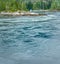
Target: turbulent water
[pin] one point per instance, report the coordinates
(30, 39)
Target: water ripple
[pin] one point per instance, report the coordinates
(26, 38)
(43, 35)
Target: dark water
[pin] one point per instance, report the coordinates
(30, 40)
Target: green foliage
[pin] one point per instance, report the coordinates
(24, 5)
(37, 5)
(55, 5)
(29, 5)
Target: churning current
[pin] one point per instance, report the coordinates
(30, 39)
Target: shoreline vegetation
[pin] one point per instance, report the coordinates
(25, 7)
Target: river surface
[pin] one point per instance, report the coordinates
(30, 39)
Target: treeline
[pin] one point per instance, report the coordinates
(55, 5)
(26, 5)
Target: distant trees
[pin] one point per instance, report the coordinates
(2, 5)
(55, 4)
(29, 5)
(24, 5)
(42, 4)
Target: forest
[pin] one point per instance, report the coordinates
(26, 5)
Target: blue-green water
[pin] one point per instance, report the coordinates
(30, 39)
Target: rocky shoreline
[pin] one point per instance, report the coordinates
(27, 13)
(20, 14)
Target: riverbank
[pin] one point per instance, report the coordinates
(27, 13)
(20, 14)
